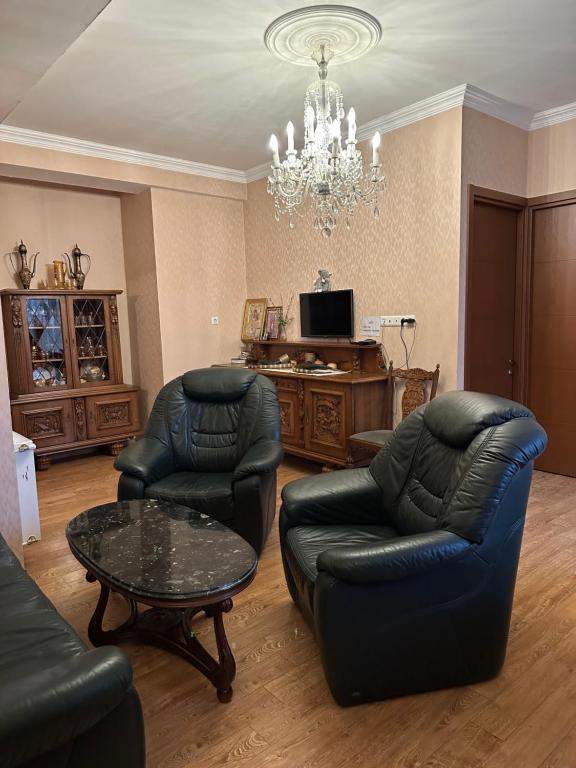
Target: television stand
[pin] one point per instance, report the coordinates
(319, 413)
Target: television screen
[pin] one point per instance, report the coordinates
(327, 314)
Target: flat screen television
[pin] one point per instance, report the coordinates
(327, 314)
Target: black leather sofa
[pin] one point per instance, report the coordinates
(212, 443)
(61, 705)
(406, 569)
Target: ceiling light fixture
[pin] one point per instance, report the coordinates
(328, 172)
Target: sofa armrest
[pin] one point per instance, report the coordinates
(343, 496)
(44, 711)
(262, 457)
(147, 459)
(393, 560)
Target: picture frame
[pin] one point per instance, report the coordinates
(272, 322)
(254, 319)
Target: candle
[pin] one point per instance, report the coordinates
(335, 138)
(290, 132)
(351, 125)
(375, 146)
(274, 148)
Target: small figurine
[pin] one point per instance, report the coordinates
(322, 282)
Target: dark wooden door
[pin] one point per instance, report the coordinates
(494, 258)
(552, 366)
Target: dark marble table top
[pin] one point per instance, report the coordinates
(160, 550)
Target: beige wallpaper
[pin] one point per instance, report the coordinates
(142, 295)
(10, 526)
(406, 261)
(201, 272)
(50, 219)
(552, 159)
(494, 155)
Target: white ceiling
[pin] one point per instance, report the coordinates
(33, 34)
(192, 79)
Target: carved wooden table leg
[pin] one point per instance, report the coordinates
(97, 634)
(221, 673)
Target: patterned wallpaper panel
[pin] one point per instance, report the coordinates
(201, 272)
(406, 261)
(552, 159)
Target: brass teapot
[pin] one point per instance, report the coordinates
(76, 273)
(25, 273)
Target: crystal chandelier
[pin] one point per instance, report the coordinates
(326, 173)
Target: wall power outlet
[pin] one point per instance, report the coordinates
(390, 320)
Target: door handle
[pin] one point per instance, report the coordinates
(511, 364)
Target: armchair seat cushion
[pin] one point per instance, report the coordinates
(305, 543)
(207, 492)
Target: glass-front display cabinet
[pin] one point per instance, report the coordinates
(65, 369)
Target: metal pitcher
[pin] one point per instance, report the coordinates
(76, 273)
(25, 273)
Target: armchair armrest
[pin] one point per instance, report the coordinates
(262, 457)
(147, 459)
(42, 712)
(393, 560)
(344, 496)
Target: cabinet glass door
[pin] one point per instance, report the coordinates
(89, 317)
(46, 340)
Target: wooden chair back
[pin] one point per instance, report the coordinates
(416, 381)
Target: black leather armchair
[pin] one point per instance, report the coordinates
(61, 705)
(212, 443)
(406, 569)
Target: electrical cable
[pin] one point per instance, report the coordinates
(408, 353)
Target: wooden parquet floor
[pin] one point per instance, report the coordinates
(282, 714)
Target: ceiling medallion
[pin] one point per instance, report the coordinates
(326, 173)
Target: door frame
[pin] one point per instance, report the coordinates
(523, 284)
(553, 200)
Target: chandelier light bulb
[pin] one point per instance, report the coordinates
(290, 132)
(375, 147)
(274, 148)
(352, 125)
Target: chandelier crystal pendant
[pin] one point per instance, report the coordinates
(329, 171)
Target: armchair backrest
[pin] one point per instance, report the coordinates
(210, 417)
(450, 463)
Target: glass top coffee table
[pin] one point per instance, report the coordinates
(176, 561)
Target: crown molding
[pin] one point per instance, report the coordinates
(485, 102)
(464, 95)
(258, 172)
(553, 116)
(29, 138)
(413, 113)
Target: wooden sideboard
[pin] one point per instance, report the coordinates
(65, 371)
(319, 413)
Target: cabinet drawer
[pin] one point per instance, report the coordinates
(47, 423)
(113, 414)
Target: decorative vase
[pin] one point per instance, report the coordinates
(25, 273)
(282, 332)
(75, 266)
(59, 274)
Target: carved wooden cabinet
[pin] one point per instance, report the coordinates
(65, 370)
(318, 414)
